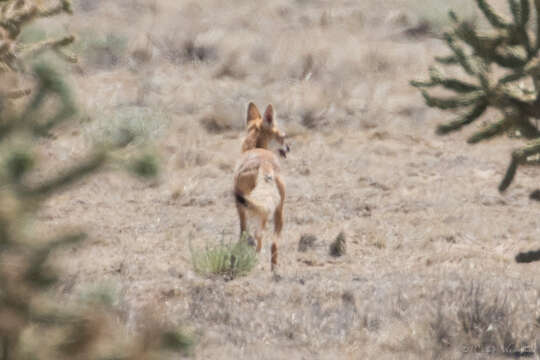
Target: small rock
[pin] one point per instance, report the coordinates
(174, 273)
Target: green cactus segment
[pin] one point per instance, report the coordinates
(459, 54)
(54, 44)
(512, 77)
(447, 60)
(437, 79)
(466, 119)
(494, 19)
(520, 12)
(451, 102)
(519, 157)
(14, 15)
(51, 83)
(537, 8)
(37, 273)
(512, 46)
(490, 131)
(69, 176)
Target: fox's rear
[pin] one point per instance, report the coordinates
(264, 198)
(258, 188)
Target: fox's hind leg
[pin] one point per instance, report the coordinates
(278, 223)
(241, 208)
(259, 232)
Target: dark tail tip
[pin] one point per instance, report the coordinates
(240, 198)
(528, 257)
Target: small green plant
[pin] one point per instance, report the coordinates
(227, 260)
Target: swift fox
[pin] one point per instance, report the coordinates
(258, 188)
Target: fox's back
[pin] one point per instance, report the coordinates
(256, 175)
(252, 160)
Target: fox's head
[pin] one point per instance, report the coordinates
(262, 130)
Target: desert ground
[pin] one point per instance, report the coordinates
(429, 270)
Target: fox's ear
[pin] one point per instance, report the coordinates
(252, 113)
(269, 115)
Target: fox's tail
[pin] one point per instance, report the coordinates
(265, 196)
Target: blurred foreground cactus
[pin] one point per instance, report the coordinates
(14, 15)
(501, 70)
(35, 323)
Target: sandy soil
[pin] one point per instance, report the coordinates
(422, 215)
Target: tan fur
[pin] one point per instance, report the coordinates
(258, 186)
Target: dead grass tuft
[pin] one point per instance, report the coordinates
(179, 51)
(194, 52)
(476, 320)
(220, 119)
(231, 68)
(339, 246)
(313, 119)
(307, 241)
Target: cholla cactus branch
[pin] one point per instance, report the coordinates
(519, 157)
(511, 46)
(69, 177)
(537, 8)
(15, 94)
(36, 49)
(62, 6)
(14, 15)
(453, 102)
(459, 56)
(490, 131)
(437, 79)
(494, 19)
(17, 13)
(466, 119)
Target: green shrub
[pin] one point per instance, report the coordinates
(227, 260)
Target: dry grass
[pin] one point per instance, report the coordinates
(422, 214)
(473, 318)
